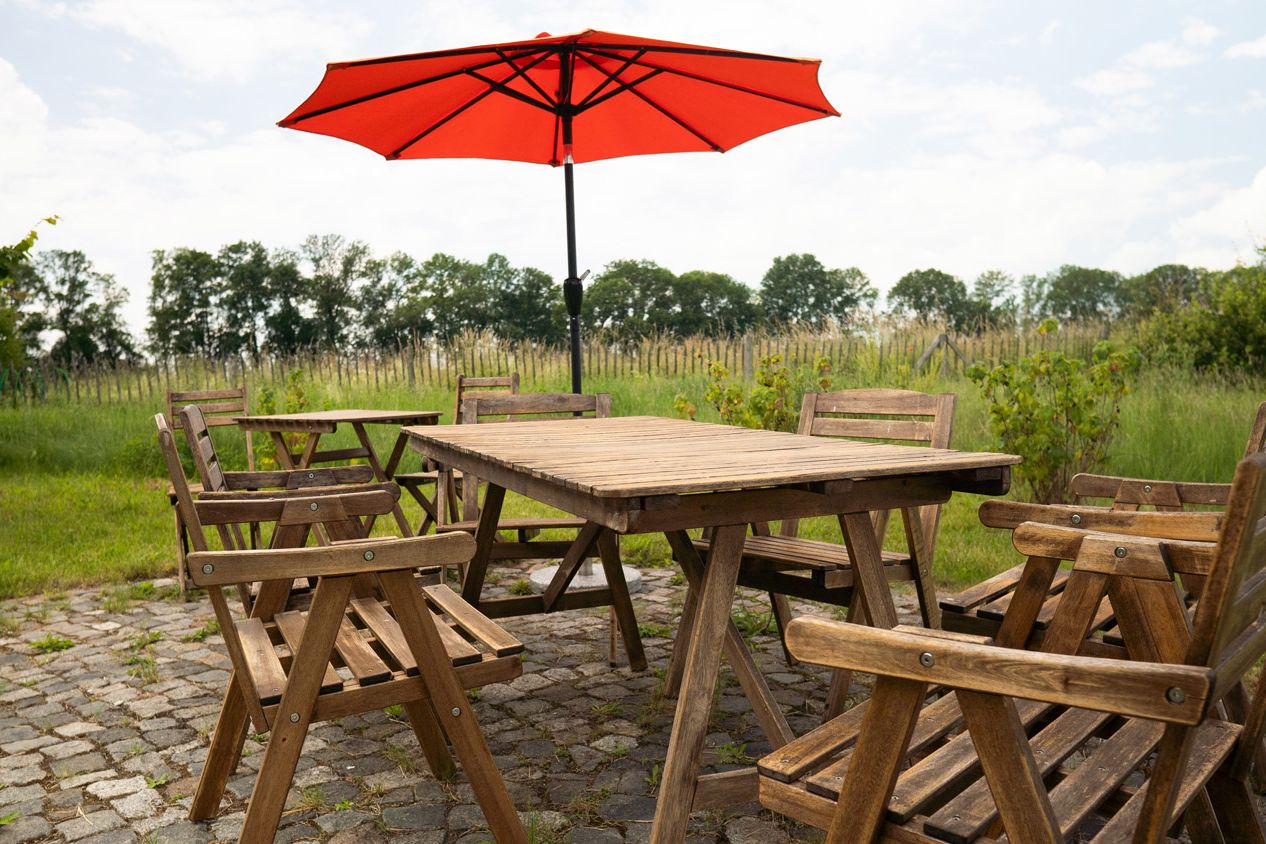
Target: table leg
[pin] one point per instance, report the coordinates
(485, 535)
(703, 660)
(868, 569)
(284, 459)
(309, 450)
(374, 463)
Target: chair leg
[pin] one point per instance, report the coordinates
(222, 755)
(182, 549)
(621, 602)
(431, 737)
(781, 609)
(882, 744)
(459, 720)
(1235, 810)
(290, 726)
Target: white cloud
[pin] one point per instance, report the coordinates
(1255, 49)
(1199, 33)
(1161, 54)
(1112, 82)
(225, 39)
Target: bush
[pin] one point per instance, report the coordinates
(773, 403)
(1058, 413)
(1223, 328)
(267, 401)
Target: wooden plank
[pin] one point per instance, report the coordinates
(366, 666)
(290, 625)
(261, 660)
(971, 812)
(387, 631)
(1129, 688)
(729, 788)
(474, 623)
(998, 735)
(877, 429)
(690, 723)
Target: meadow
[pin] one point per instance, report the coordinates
(82, 495)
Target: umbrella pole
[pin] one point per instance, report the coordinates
(572, 292)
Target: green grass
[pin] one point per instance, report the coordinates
(52, 643)
(82, 500)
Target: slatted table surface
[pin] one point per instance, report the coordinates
(634, 456)
(639, 474)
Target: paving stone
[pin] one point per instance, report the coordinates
(594, 835)
(414, 817)
(339, 821)
(107, 789)
(81, 827)
(142, 804)
(25, 828)
(752, 830)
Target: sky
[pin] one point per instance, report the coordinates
(974, 135)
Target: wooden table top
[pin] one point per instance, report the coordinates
(275, 421)
(631, 456)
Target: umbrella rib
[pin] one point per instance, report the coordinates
(529, 80)
(510, 92)
(674, 118)
(710, 81)
(386, 92)
(624, 86)
(594, 93)
(476, 99)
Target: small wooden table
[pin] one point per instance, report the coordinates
(646, 474)
(317, 422)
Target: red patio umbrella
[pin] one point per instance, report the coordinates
(562, 100)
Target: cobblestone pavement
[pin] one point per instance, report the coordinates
(107, 698)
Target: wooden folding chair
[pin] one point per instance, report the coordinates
(591, 540)
(218, 407)
(978, 609)
(814, 570)
(412, 482)
(350, 652)
(968, 740)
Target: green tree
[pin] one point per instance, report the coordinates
(392, 303)
(286, 328)
(338, 268)
(182, 314)
(527, 304)
(1078, 294)
(459, 299)
(631, 299)
(18, 332)
(1165, 287)
(931, 295)
(711, 303)
(1223, 328)
(84, 308)
(799, 290)
(242, 301)
(991, 303)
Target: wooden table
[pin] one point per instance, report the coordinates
(645, 474)
(318, 422)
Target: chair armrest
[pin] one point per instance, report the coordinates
(217, 568)
(1138, 689)
(303, 508)
(299, 478)
(305, 492)
(1138, 556)
(1202, 527)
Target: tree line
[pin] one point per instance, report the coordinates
(332, 293)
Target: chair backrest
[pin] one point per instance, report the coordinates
(485, 385)
(218, 408)
(1166, 496)
(887, 415)
(192, 419)
(523, 407)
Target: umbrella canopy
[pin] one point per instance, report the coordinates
(562, 100)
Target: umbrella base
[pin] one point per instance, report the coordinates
(594, 578)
